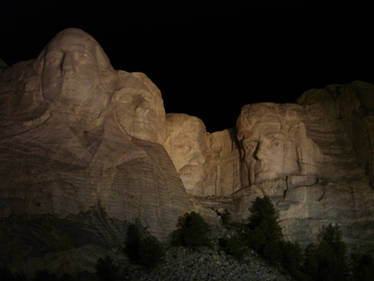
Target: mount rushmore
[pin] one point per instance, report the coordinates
(85, 149)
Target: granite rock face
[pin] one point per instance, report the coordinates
(76, 134)
(208, 163)
(186, 143)
(275, 144)
(139, 107)
(314, 160)
(85, 149)
(223, 177)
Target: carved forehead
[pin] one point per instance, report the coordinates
(181, 120)
(77, 41)
(73, 39)
(267, 117)
(190, 127)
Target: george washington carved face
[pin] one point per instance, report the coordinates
(273, 142)
(76, 75)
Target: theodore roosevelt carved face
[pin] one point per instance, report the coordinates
(274, 142)
(187, 147)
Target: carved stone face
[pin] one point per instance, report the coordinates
(139, 107)
(269, 152)
(186, 145)
(74, 69)
(272, 137)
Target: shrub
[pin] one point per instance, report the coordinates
(292, 258)
(363, 267)
(272, 252)
(143, 248)
(332, 236)
(151, 251)
(234, 246)
(225, 218)
(45, 275)
(264, 233)
(264, 218)
(7, 275)
(132, 243)
(106, 270)
(192, 232)
(66, 277)
(327, 261)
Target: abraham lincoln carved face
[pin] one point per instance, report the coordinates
(274, 142)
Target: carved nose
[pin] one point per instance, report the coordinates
(67, 64)
(141, 109)
(259, 152)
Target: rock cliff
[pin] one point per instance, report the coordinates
(85, 149)
(314, 160)
(208, 163)
(77, 136)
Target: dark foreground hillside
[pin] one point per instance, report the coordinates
(208, 265)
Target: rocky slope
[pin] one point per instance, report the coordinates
(208, 264)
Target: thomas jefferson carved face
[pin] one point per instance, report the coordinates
(272, 138)
(74, 71)
(139, 107)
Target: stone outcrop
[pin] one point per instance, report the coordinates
(208, 163)
(223, 177)
(186, 143)
(77, 135)
(314, 161)
(85, 149)
(275, 144)
(139, 107)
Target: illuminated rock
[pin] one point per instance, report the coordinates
(139, 108)
(85, 149)
(208, 164)
(70, 143)
(314, 160)
(186, 144)
(275, 144)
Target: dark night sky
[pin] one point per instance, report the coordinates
(211, 65)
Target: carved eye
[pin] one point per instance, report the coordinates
(184, 148)
(276, 142)
(54, 58)
(83, 57)
(250, 145)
